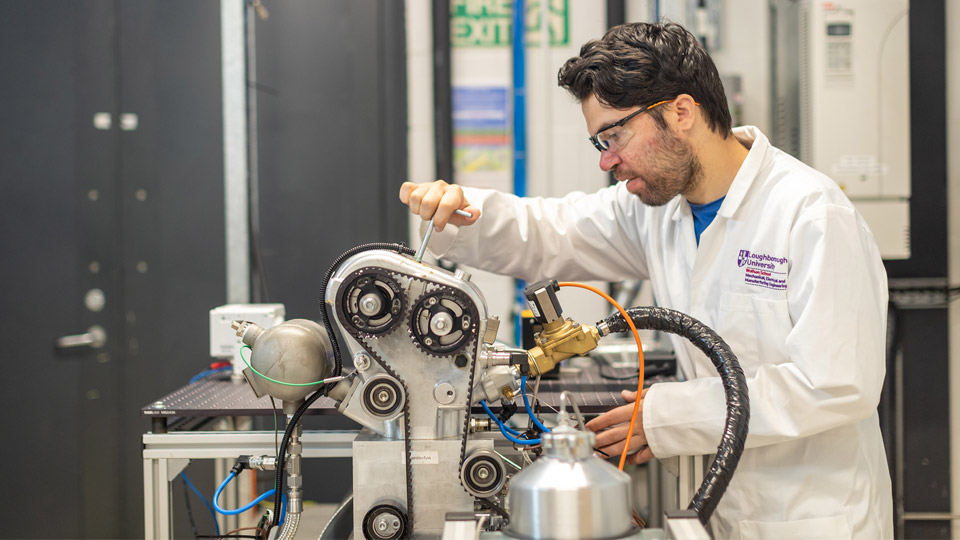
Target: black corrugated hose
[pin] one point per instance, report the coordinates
(337, 368)
(734, 387)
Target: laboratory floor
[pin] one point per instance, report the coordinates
(314, 518)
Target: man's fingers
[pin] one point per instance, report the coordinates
(618, 434)
(405, 189)
(438, 201)
(611, 436)
(612, 417)
(451, 199)
(631, 395)
(462, 221)
(643, 456)
(616, 448)
(430, 203)
(422, 198)
(414, 195)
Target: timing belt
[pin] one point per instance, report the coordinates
(363, 338)
(408, 469)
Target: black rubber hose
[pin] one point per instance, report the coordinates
(734, 386)
(337, 363)
(282, 452)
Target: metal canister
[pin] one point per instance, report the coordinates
(297, 351)
(569, 493)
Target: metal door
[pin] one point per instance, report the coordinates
(111, 235)
(60, 269)
(112, 216)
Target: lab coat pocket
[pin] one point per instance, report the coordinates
(828, 528)
(756, 329)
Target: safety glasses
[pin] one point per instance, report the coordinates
(615, 136)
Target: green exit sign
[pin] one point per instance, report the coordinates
(489, 23)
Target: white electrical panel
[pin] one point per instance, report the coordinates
(855, 108)
(224, 342)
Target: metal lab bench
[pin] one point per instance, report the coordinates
(172, 442)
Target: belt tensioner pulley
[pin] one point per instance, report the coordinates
(383, 396)
(384, 522)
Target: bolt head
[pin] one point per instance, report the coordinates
(361, 362)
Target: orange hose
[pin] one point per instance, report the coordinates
(636, 336)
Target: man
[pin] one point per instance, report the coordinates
(755, 244)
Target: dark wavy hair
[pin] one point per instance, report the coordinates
(639, 64)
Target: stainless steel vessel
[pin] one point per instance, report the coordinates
(569, 493)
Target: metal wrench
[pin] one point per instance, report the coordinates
(426, 237)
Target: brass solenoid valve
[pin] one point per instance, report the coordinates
(561, 338)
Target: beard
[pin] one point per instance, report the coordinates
(674, 170)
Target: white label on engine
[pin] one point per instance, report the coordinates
(424, 457)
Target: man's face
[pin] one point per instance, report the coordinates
(655, 163)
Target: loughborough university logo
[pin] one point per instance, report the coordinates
(762, 270)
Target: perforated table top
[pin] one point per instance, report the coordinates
(595, 389)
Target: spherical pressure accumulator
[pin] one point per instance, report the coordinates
(292, 353)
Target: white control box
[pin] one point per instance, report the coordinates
(857, 112)
(224, 342)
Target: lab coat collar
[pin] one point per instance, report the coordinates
(757, 142)
(681, 209)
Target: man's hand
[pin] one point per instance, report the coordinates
(438, 200)
(611, 428)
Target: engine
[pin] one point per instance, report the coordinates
(421, 342)
(425, 357)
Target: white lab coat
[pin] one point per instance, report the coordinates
(790, 276)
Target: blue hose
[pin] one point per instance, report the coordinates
(497, 420)
(231, 476)
(208, 372)
(514, 440)
(506, 430)
(526, 405)
(206, 503)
